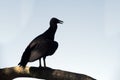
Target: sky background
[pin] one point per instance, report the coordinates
(89, 39)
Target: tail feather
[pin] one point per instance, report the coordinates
(25, 58)
(21, 64)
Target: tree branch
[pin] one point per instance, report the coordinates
(40, 73)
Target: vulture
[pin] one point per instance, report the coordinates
(42, 46)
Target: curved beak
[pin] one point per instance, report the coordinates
(61, 22)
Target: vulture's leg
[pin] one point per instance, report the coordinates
(40, 63)
(44, 61)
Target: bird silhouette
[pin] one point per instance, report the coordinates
(42, 46)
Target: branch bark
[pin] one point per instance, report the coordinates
(40, 73)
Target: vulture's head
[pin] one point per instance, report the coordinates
(55, 21)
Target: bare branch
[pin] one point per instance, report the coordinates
(40, 73)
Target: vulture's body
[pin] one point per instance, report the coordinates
(42, 46)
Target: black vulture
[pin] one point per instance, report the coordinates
(42, 46)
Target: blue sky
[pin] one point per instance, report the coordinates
(89, 39)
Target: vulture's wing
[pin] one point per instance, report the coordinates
(41, 48)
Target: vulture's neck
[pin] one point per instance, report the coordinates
(50, 33)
